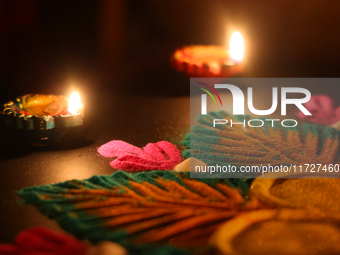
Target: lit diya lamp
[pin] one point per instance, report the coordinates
(210, 61)
(44, 119)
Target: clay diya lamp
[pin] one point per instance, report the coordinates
(43, 119)
(210, 61)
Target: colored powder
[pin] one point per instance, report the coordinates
(41, 240)
(322, 109)
(288, 237)
(239, 145)
(154, 156)
(156, 207)
(322, 193)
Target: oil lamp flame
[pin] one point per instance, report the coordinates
(236, 49)
(74, 103)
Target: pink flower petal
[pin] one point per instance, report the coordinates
(154, 156)
(117, 148)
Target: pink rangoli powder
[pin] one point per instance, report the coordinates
(154, 156)
(322, 109)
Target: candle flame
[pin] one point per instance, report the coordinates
(74, 103)
(236, 49)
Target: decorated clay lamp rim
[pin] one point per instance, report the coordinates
(40, 112)
(207, 61)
